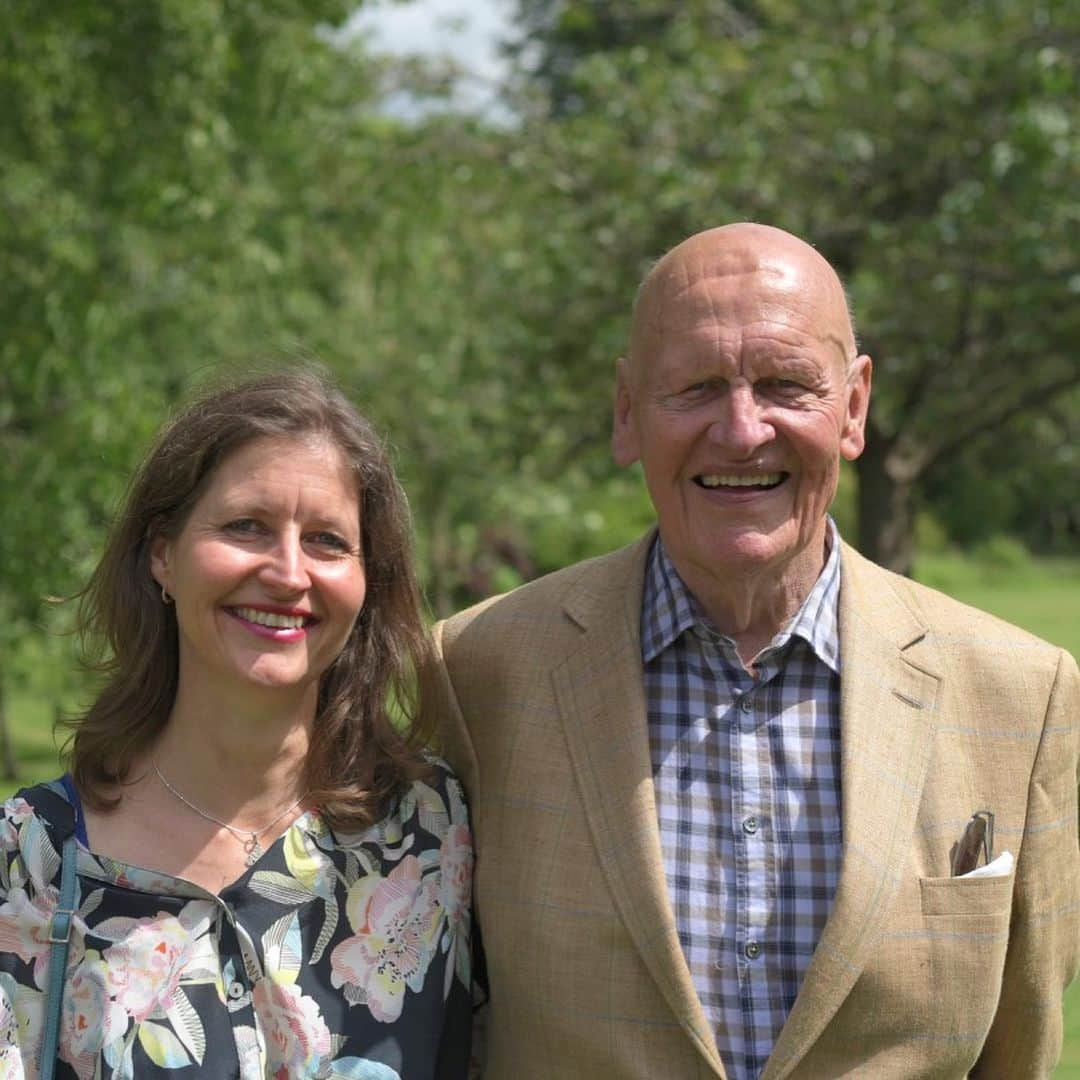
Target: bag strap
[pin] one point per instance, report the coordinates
(51, 801)
(59, 936)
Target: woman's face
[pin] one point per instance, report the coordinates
(268, 572)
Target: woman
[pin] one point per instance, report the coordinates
(273, 881)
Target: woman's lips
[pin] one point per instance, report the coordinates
(273, 624)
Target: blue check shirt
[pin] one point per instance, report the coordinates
(747, 777)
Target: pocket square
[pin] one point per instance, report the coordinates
(1000, 867)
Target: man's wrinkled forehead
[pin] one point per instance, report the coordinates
(685, 287)
(683, 284)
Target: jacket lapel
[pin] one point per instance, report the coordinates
(602, 704)
(887, 719)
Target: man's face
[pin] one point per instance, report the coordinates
(740, 397)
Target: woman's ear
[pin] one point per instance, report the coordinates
(160, 550)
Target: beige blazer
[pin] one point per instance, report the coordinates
(944, 711)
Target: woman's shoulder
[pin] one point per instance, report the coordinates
(34, 823)
(51, 803)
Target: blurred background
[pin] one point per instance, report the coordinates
(450, 204)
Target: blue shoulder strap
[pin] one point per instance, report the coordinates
(52, 800)
(59, 936)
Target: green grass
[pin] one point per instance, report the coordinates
(36, 751)
(1069, 1067)
(1042, 596)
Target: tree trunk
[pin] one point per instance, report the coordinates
(886, 508)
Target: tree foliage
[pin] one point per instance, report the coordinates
(190, 185)
(927, 149)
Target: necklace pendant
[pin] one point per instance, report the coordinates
(254, 850)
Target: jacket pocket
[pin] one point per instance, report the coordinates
(966, 896)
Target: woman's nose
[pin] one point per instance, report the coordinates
(285, 567)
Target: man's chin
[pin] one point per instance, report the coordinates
(748, 550)
(747, 544)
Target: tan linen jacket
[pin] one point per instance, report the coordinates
(944, 711)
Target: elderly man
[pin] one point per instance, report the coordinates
(729, 784)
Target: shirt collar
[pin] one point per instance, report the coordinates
(668, 608)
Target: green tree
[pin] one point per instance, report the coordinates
(137, 146)
(928, 150)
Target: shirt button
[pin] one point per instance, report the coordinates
(750, 825)
(236, 990)
(746, 703)
(752, 950)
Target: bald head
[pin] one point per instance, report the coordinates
(792, 272)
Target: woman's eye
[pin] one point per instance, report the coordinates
(243, 526)
(330, 541)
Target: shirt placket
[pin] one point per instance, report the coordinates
(751, 831)
(241, 969)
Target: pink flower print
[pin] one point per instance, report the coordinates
(146, 964)
(297, 1038)
(396, 920)
(11, 1067)
(22, 1014)
(90, 1019)
(24, 930)
(456, 864)
(455, 893)
(21, 1011)
(16, 811)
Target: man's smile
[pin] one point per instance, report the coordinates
(756, 481)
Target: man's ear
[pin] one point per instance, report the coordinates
(853, 436)
(625, 448)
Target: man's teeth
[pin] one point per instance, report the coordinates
(271, 618)
(717, 480)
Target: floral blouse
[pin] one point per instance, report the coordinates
(338, 956)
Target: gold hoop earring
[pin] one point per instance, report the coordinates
(165, 597)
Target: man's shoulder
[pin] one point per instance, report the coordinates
(546, 599)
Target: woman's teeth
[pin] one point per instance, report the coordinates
(271, 618)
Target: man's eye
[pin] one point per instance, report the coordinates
(697, 389)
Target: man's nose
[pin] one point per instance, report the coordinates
(285, 567)
(741, 426)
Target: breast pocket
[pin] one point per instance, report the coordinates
(965, 926)
(942, 897)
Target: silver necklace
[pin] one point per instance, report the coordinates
(253, 850)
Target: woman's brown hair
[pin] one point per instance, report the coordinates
(360, 757)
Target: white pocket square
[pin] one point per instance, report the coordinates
(1000, 867)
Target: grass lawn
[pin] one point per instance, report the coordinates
(1069, 1067)
(1043, 597)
